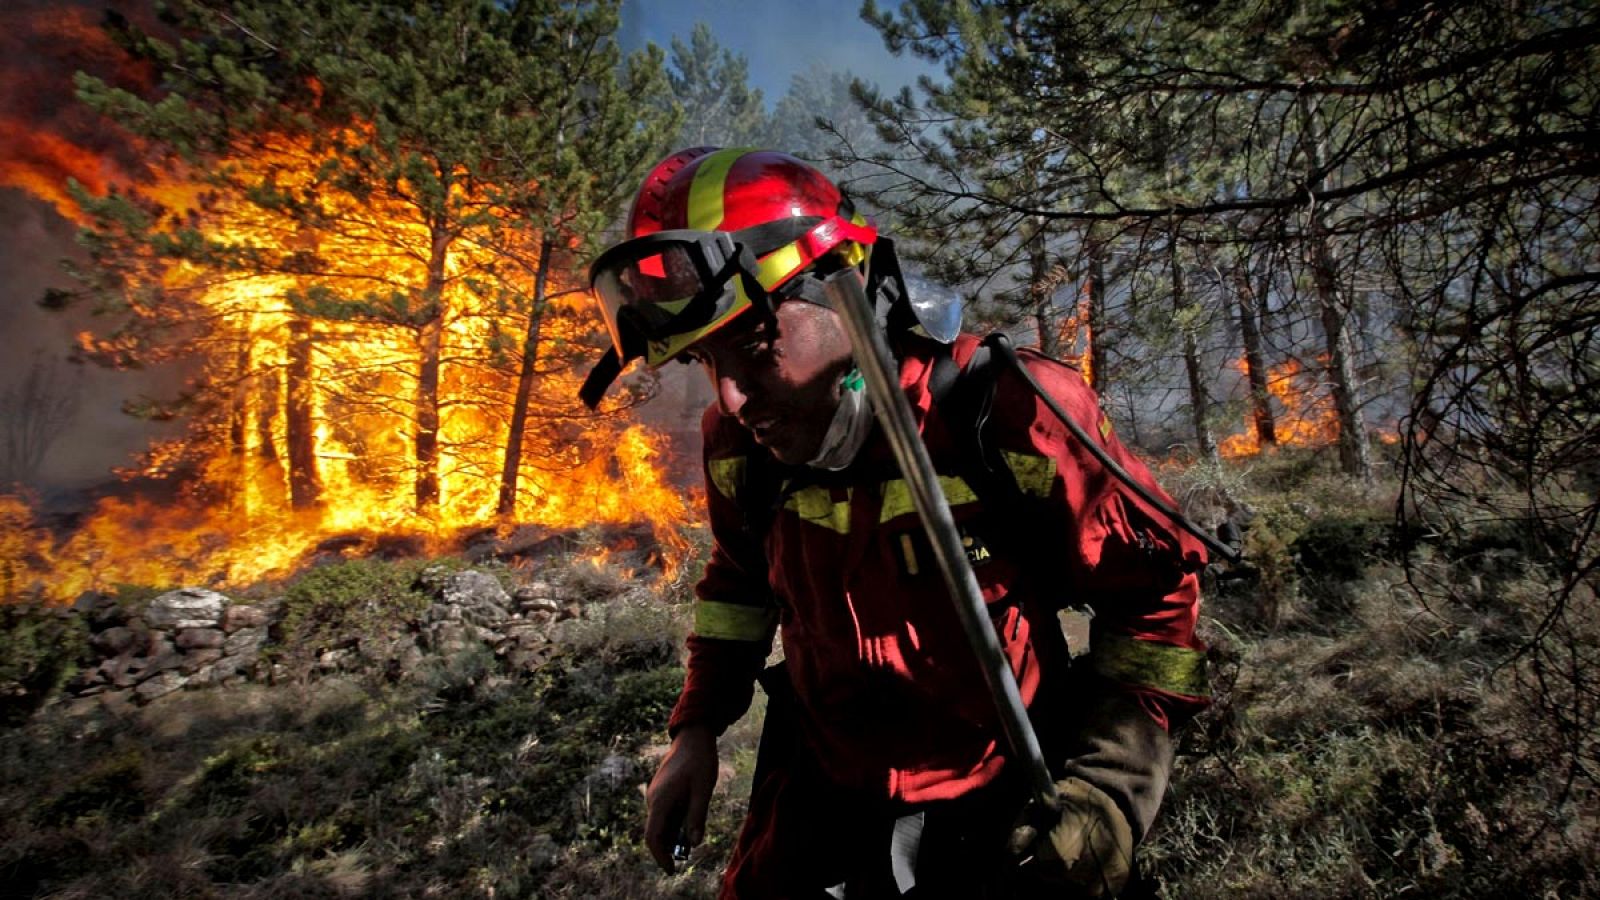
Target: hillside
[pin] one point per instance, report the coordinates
(445, 728)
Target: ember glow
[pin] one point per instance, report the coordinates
(309, 430)
(1303, 414)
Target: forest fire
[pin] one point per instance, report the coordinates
(1304, 418)
(354, 378)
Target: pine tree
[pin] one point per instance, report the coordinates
(711, 85)
(404, 175)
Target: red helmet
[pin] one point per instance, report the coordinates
(711, 234)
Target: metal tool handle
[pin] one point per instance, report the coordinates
(847, 297)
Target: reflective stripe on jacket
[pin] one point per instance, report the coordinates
(891, 699)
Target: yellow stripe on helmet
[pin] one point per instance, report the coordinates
(706, 190)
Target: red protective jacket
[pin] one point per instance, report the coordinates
(890, 697)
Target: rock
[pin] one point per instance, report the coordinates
(335, 660)
(186, 608)
(525, 632)
(406, 662)
(166, 662)
(235, 618)
(479, 597)
(159, 686)
(200, 638)
(115, 671)
(529, 658)
(96, 607)
(157, 645)
(105, 613)
(246, 642)
(614, 774)
(446, 637)
(199, 659)
(116, 641)
(86, 602)
(86, 680)
(546, 606)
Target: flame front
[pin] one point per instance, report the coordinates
(357, 420)
(1305, 417)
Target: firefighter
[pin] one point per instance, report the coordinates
(882, 772)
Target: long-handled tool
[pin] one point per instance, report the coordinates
(847, 296)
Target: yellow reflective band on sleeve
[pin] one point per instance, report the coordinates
(705, 192)
(727, 475)
(816, 505)
(1034, 474)
(734, 621)
(1176, 670)
(897, 496)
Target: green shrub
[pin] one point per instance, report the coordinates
(1338, 548)
(344, 603)
(40, 648)
(111, 789)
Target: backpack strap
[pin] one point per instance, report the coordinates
(965, 397)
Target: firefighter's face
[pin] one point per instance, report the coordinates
(780, 377)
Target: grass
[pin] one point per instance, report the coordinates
(1366, 741)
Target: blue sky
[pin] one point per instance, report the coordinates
(779, 38)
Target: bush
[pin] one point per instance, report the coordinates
(40, 648)
(346, 603)
(1337, 548)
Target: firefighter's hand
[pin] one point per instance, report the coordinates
(1089, 846)
(679, 795)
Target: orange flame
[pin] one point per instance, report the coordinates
(1075, 336)
(267, 359)
(1304, 417)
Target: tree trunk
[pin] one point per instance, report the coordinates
(1355, 457)
(512, 465)
(430, 336)
(266, 388)
(305, 486)
(1199, 405)
(1255, 369)
(1040, 290)
(239, 462)
(1095, 322)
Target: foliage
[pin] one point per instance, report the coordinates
(347, 603)
(719, 107)
(1371, 747)
(421, 180)
(1366, 170)
(466, 780)
(40, 649)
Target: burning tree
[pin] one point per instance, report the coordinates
(358, 229)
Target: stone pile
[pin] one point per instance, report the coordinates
(193, 637)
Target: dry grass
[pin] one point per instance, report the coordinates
(1364, 743)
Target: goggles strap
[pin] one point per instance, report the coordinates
(600, 377)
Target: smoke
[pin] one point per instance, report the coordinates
(780, 39)
(48, 137)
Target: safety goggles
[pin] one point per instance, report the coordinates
(661, 292)
(657, 289)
